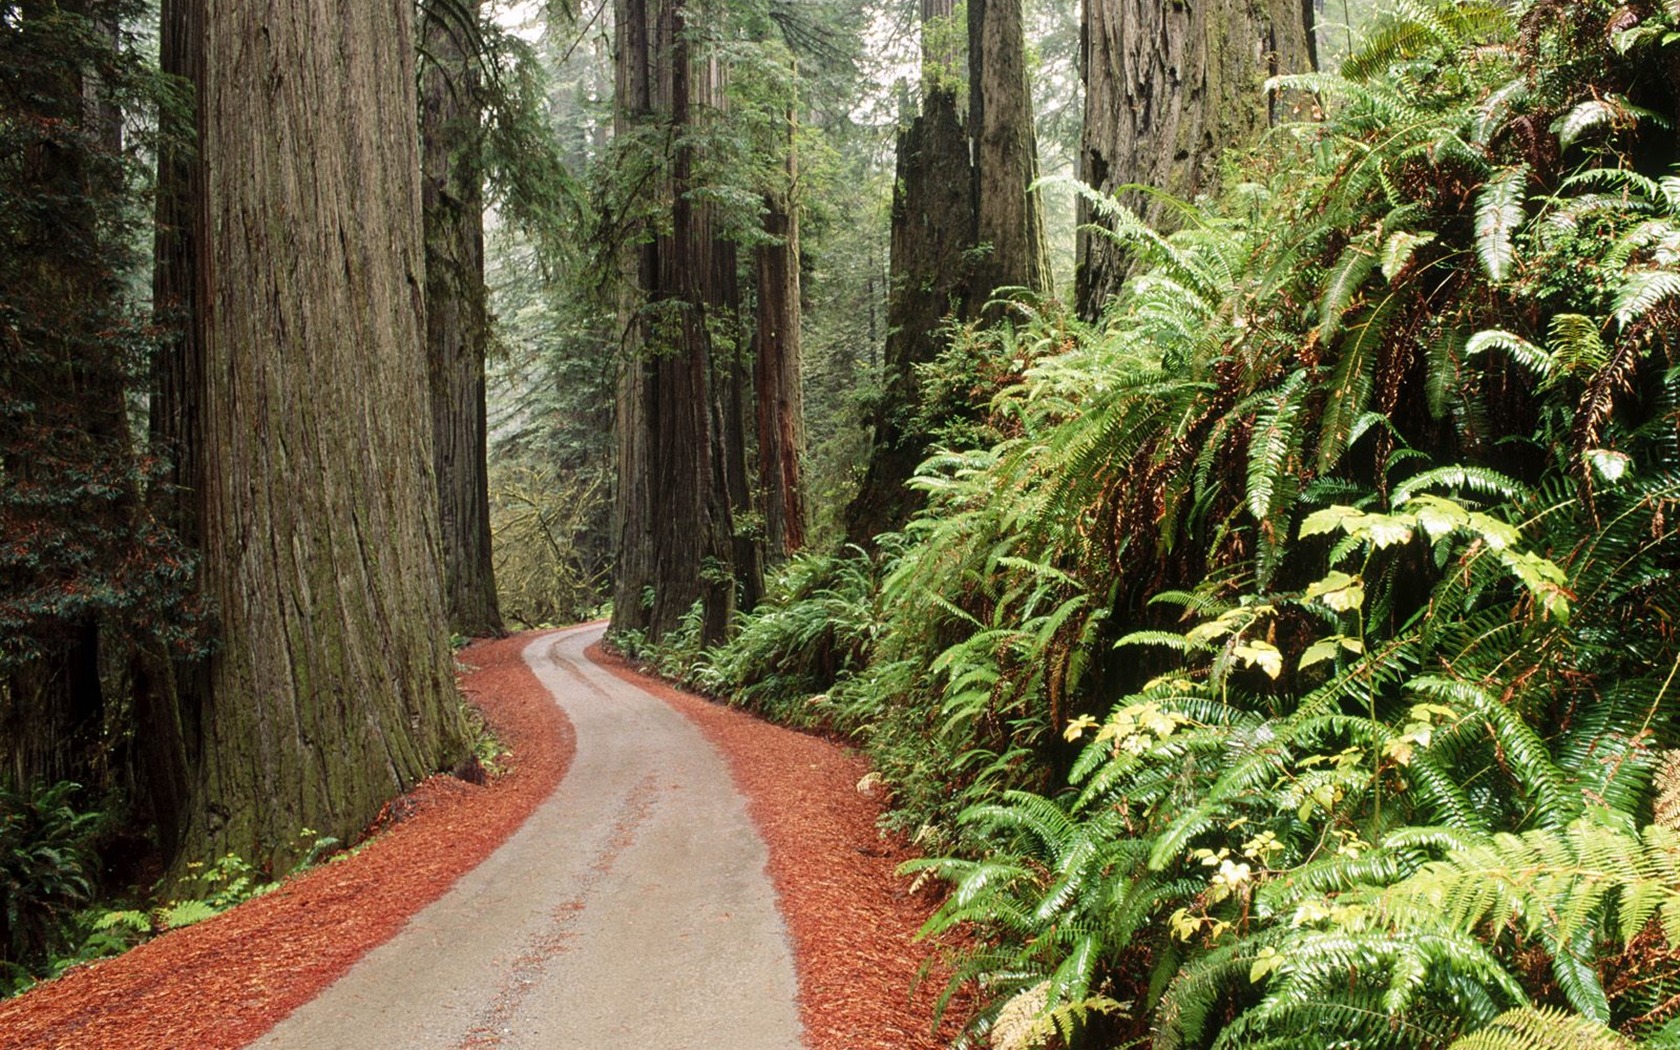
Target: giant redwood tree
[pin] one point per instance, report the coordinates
(457, 321)
(673, 509)
(297, 403)
(1169, 87)
(964, 224)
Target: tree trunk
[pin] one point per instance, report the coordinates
(964, 224)
(673, 504)
(457, 321)
(1008, 223)
(635, 48)
(932, 229)
(720, 297)
(776, 368)
(52, 712)
(168, 690)
(301, 393)
(1168, 89)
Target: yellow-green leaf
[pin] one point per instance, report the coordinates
(1318, 652)
(1263, 655)
(1339, 591)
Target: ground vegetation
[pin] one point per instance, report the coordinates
(1283, 656)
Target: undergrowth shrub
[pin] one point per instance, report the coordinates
(47, 872)
(56, 916)
(792, 656)
(1350, 528)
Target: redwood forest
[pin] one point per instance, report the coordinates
(1027, 524)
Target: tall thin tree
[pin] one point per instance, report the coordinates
(777, 379)
(457, 321)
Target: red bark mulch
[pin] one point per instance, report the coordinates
(222, 983)
(851, 917)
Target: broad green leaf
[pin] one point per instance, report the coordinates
(1329, 520)
(1325, 648)
(1076, 728)
(1318, 652)
(1267, 960)
(1437, 517)
(1204, 633)
(1384, 530)
(1338, 591)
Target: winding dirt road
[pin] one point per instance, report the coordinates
(630, 880)
(632, 909)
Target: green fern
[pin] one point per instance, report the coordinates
(1540, 1028)
(1499, 211)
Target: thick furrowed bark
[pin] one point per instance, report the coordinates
(964, 225)
(1008, 222)
(302, 398)
(1168, 89)
(674, 506)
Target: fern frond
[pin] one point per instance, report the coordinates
(1341, 288)
(1520, 350)
(1499, 211)
(1543, 1028)
(1642, 291)
(1593, 113)
(1275, 442)
(1483, 481)
(1521, 746)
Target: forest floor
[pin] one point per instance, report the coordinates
(848, 918)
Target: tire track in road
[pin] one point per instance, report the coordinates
(530, 967)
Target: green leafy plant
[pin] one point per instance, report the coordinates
(47, 872)
(1288, 655)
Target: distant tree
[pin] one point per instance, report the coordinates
(1169, 88)
(457, 322)
(963, 225)
(778, 380)
(297, 400)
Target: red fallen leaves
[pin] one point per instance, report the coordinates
(852, 920)
(224, 982)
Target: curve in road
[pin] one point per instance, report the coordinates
(631, 910)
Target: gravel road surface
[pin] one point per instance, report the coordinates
(632, 910)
